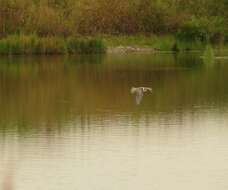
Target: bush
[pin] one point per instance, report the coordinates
(192, 30)
(217, 29)
(203, 29)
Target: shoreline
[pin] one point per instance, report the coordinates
(130, 49)
(35, 45)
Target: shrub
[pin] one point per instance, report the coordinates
(193, 30)
(203, 29)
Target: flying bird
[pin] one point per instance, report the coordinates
(138, 91)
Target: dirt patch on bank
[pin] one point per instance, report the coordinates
(130, 49)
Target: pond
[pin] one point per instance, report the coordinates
(71, 123)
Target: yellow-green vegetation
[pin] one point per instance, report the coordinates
(208, 55)
(191, 19)
(182, 24)
(32, 44)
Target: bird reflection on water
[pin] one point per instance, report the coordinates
(139, 91)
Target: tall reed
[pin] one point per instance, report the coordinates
(32, 44)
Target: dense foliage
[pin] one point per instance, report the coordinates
(187, 19)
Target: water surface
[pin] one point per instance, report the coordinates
(71, 123)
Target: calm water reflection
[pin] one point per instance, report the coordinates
(71, 123)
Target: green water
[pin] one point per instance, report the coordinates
(72, 123)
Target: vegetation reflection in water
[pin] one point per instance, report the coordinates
(65, 112)
(50, 91)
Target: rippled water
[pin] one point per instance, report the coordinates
(70, 123)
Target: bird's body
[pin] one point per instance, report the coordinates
(138, 91)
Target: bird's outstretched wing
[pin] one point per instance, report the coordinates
(145, 89)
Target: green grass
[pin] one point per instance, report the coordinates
(32, 44)
(164, 43)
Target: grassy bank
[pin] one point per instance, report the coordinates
(32, 44)
(163, 24)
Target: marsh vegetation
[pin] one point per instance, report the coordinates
(161, 24)
(32, 44)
